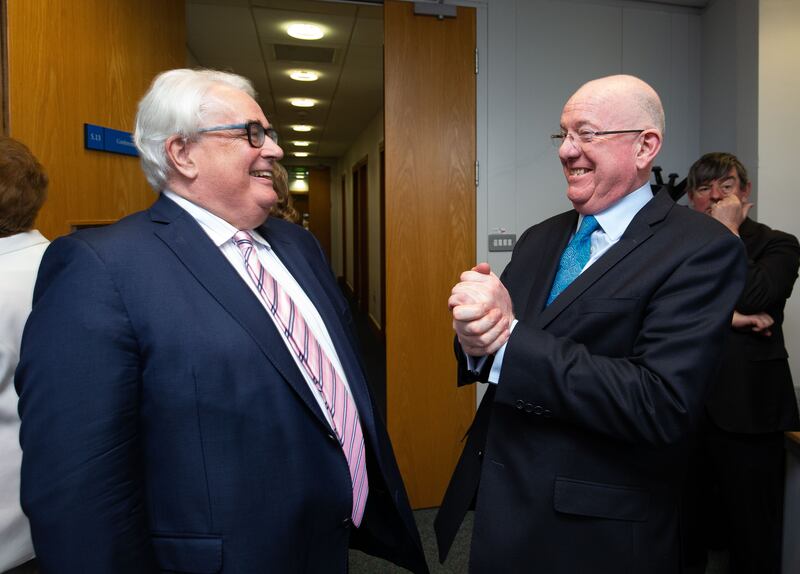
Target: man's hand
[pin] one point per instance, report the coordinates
(731, 212)
(757, 323)
(482, 313)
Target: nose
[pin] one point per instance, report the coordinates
(716, 193)
(271, 149)
(568, 149)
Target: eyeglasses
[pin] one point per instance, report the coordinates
(726, 187)
(256, 133)
(585, 136)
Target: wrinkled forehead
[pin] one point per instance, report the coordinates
(598, 108)
(229, 104)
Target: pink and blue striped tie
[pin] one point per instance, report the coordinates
(304, 344)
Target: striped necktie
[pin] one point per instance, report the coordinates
(334, 394)
(576, 255)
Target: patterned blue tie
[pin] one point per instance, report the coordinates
(575, 256)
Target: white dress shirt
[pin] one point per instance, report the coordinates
(20, 256)
(221, 233)
(613, 223)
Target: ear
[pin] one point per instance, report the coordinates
(649, 146)
(179, 153)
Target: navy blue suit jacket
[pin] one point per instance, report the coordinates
(166, 427)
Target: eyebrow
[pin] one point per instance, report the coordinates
(708, 182)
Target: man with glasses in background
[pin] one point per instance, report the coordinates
(191, 394)
(740, 465)
(597, 343)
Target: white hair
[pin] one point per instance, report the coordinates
(176, 104)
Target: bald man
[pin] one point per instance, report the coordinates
(597, 344)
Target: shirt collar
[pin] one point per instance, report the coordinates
(217, 229)
(21, 241)
(615, 219)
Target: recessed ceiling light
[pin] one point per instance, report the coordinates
(301, 143)
(301, 128)
(300, 154)
(298, 185)
(303, 102)
(305, 31)
(304, 75)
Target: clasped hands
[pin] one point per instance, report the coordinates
(482, 311)
(757, 323)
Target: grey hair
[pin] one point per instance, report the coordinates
(176, 104)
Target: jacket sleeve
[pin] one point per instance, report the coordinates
(78, 380)
(770, 275)
(650, 390)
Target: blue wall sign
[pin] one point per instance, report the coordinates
(107, 139)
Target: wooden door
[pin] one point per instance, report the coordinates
(90, 61)
(360, 236)
(319, 206)
(430, 116)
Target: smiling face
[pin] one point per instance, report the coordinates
(226, 175)
(603, 171)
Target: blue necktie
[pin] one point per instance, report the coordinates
(575, 256)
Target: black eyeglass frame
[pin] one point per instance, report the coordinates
(558, 139)
(256, 133)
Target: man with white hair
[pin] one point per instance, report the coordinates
(598, 343)
(191, 394)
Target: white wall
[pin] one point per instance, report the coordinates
(779, 124)
(367, 144)
(539, 53)
(729, 108)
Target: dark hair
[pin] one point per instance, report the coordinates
(712, 166)
(284, 208)
(23, 187)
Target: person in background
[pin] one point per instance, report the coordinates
(598, 342)
(741, 458)
(23, 189)
(191, 394)
(284, 208)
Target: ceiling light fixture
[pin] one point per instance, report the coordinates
(305, 31)
(301, 128)
(303, 102)
(300, 154)
(304, 75)
(301, 143)
(298, 185)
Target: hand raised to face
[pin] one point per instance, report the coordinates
(731, 211)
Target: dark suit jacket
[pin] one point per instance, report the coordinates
(753, 392)
(166, 427)
(577, 454)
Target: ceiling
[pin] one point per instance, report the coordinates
(248, 37)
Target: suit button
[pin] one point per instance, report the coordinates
(538, 409)
(346, 523)
(547, 413)
(528, 407)
(480, 454)
(520, 404)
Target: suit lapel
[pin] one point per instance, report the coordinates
(186, 239)
(641, 228)
(296, 261)
(545, 266)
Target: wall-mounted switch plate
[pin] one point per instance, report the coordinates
(502, 241)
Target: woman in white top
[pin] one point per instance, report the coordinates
(23, 188)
